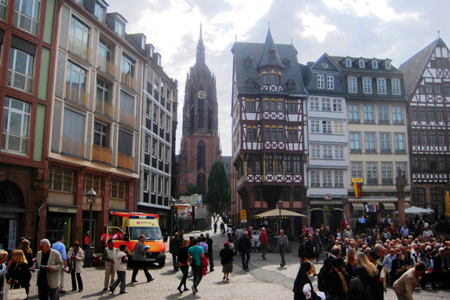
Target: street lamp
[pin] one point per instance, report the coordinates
(172, 206)
(280, 206)
(91, 195)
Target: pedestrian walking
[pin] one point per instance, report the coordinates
(244, 248)
(195, 252)
(61, 248)
(226, 259)
(282, 245)
(120, 266)
(49, 264)
(75, 258)
(404, 286)
(222, 228)
(109, 257)
(309, 253)
(215, 227)
(184, 265)
(174, 249)
(209, 242)
(19, 274)
(140, 250)
(229, 232)
(264, 242)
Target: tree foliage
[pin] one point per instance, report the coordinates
(219, 195)
(192, 189)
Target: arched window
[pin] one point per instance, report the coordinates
(201, 182)
(200, 156)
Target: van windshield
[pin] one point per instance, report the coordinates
(151, 233)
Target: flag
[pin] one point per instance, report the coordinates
(344, 222)
(358, 189)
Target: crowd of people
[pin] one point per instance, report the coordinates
(362, 265)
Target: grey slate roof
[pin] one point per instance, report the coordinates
(255, 51)
(310, 77)
(266, 60)
(414, 67)
(340, 60)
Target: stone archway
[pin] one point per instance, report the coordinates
(10, 194)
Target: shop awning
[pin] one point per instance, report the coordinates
(63, 209)
(389, 206)
(358, 206)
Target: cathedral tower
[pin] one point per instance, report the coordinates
(200, 143)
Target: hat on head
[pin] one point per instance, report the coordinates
(225, 243)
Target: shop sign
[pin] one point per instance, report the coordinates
(60, 209)
(12, 237)
(357, 180)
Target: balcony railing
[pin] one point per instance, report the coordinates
(400, 151)
(129, 81)
(354, 121)
(79, 48)
(125, 161)
(369, 121)
(386, 181)
(20, 81)
(26, 22)
(383, 121)
(102, 154)
(355, 151)
(106, 65)
(75, 94)
(127, 118)
(385, 151)
(104, 107)
(73, 146)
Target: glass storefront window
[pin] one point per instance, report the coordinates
(57, 226)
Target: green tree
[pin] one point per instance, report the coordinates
(192, 189)
(219, 196)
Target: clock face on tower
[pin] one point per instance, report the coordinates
(201, 94)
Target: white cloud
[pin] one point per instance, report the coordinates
(366, 8)
(315, 26)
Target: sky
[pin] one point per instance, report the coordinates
(395, 29)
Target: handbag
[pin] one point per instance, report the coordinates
(17, 294)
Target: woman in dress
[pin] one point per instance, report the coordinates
(75, 257)
(302, 286)
(226, 259)
(19, 273)
(368, 274)
(183, 263)
(350, 263)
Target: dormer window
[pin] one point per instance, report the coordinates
(348, 63)
(286, 62)
(374, 64)
(320, 82)
(388, 65)
(273, 78)
(271, 53)
(249, 83)
(248, 61)
(143, 42)
(362, 64)
(119, 28)
(100, 10)
(291, 84)
(151, 50)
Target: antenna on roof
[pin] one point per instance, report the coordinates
(292, 43)
(439, 33)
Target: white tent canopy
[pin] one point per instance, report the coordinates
(276, 212)
(417, 210)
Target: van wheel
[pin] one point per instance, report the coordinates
(161, 264)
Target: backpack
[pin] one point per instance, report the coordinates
(356, 289)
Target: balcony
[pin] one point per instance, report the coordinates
(127, 118)
(79, 48)
(20, 81)
(104, 107)
(25, 22)
(73, 146)
(125, 161)
(102, 154)
(106, 65)
(76, 94)
(129, 81)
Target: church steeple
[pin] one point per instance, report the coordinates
(200, 48)
(270, 55)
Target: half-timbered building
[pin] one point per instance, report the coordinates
(427, 84)
(327, 143)
(268, 113)
(377, 136)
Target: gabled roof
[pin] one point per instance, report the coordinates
(266, 58)
(255, 51)
(414, 67)
(325, 58)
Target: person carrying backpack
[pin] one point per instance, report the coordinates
(326, 268)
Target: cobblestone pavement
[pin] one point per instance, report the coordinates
(265, 280)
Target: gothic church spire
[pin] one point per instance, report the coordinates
(200, 48)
